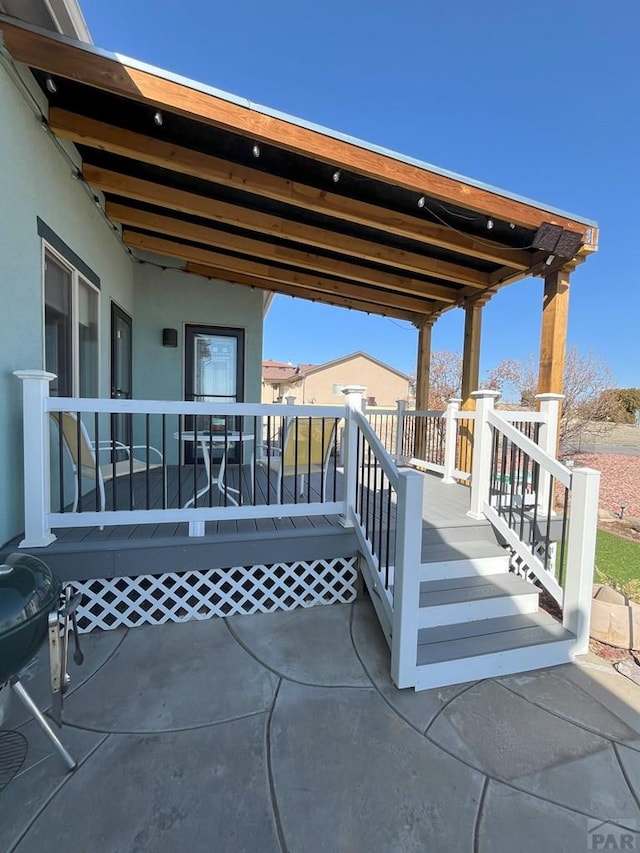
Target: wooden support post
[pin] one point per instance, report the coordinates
(424, 365)
(471, 351)
(553, 339)
(470, 369)
(422, 384)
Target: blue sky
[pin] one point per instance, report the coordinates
(539, 99)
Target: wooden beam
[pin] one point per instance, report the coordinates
(423, 366)
(299, 292)
(270, 272)
(553, 339)
(186, 161)
(231, 214)
(471, 351)
(268, 252)
(108, 72)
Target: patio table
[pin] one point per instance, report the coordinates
(208, 442)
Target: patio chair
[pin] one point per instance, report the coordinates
(82, 453)
(305, 449)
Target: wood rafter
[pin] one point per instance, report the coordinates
(186, 161)
(299, 292)
(88, 66)
(270, 253)
(230, 214)
(272, 273)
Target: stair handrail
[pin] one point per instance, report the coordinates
(396, 599)
(578, 526)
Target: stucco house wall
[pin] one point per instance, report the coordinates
(172, 298)
(36, 182)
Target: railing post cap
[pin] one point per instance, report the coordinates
(35, 374)
(485, 394)
(354, 389)
(586, 472)
(549, 396)
(453, 400)
(401, 402)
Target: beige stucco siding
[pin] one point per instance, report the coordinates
(382, 384)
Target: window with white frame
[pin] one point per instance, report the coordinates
(70, 328)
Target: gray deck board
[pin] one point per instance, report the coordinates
(444, 510)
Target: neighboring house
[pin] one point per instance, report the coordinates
(280, 380)
(323, 383)
(147, 220)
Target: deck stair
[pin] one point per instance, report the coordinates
(476, 619)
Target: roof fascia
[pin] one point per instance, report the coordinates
(301, 123)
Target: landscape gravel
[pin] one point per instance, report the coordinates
(619, 481)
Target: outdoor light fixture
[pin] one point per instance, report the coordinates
(556, 240)
(550, 260)
(512, 225)
(157, 117)
(51, 85)
(169, 337)
(623, 506)
(489, 224)
(421, 201)
(256, 150)
(336, 176)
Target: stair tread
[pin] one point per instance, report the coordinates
(488, 636)
(472, 549)
(473, 588)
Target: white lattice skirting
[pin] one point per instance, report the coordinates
(202, 594)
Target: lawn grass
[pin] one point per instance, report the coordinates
(618, 562)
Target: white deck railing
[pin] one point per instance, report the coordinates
(387, 512)
(536, 504)
(546, 512)
(169, 428)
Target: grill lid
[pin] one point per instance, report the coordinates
(28, 588)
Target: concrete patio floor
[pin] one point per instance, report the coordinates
(283, 732)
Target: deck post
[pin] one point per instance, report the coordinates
(353, 402)
(548, 441)
(402, 407)
(583, 527)
(37, 470)
(423, 370)
(450, 438)
(481, 463)
(406, 579)
(553, 336)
